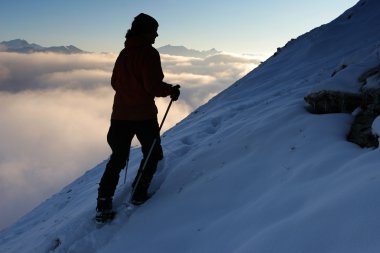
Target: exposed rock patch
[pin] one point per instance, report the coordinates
(366, 103)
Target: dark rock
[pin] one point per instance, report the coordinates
(333, 102)
(368, 100)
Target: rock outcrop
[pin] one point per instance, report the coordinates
(364, 105)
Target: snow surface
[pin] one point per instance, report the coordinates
(250, 171)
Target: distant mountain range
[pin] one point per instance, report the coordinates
(22, 46)
(183, 51)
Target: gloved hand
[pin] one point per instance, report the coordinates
(175, 92)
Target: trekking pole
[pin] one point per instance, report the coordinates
(150, 150)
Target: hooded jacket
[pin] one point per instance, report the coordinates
(137, 79)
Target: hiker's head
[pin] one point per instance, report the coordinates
(143, 25)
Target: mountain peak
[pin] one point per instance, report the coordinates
(23, 46)
(184, 51)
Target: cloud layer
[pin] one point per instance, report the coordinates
(54, 114)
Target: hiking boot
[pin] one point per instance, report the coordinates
(104, 210)
(139, 198)
(140, 193)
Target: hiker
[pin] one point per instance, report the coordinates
(137, 79)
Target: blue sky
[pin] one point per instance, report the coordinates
(240, 26)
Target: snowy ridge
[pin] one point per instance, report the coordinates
(250, 171)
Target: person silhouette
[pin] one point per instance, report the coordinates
(137, 79)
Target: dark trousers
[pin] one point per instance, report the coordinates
(119, 137)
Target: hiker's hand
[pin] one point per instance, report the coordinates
(175, 92)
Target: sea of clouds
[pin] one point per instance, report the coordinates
(55, 109)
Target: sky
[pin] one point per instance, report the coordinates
(241, 26)
(54, 109)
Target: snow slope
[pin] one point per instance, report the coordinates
(250, 171)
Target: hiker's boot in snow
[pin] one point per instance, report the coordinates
(140, 194)
(104, 210)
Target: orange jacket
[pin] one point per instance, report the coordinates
(137, 79)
